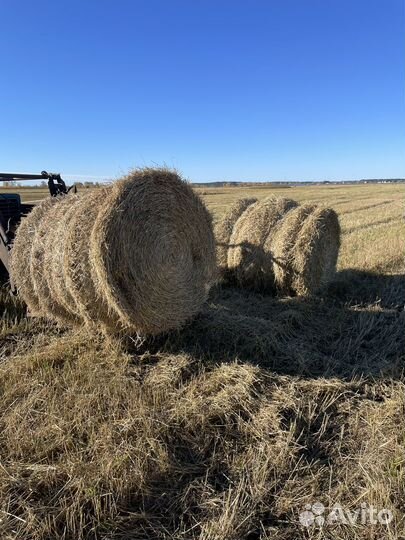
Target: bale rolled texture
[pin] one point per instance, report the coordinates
(309, 263)
(135, 257)
(281, 246)
(246, 256)
(276, 245)
(56, 299)
(224, 227)
(77, 269)
(20, 263)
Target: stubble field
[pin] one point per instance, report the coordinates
(231, 427)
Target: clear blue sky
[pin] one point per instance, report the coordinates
(222, 90)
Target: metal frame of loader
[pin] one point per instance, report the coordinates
(12, 210)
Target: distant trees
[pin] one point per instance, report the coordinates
(87, 185)
(9, 183)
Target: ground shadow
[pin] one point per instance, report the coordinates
(355, 329)
(365, 288)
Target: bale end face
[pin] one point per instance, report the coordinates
(152, 248)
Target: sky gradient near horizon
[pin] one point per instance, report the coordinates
(221, 90)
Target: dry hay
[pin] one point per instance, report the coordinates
(76, 264)
(21, 254)
(59, 294)
(224, 227)
(153, 250)
(246, 256)
(135, 257)
(45, 243)
(305, 250)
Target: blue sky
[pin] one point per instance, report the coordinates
(222, 90)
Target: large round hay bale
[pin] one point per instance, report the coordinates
(137, 256)
(152, 248)
(281, 245)
(60, 297)
(247, 258)
(305, 250)
(45, 242)
(316, 252)
(21, 254)
(80, 276)
(224, 227)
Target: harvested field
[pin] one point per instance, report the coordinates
(230, 427)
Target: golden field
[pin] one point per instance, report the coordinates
(228, 428)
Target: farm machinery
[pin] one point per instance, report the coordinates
(12, 210)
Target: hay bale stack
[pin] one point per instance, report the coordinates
(223, 230)
(246, 256)
(276, 245)
(305, 250)
(137, 256)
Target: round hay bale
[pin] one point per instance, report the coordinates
(316, 252)
(78, 271)
(43, 246)
(21, 254)
(153, 250)
(53, 269)
(247, 258)
(280, 246)
(305, 250)
(223, 230)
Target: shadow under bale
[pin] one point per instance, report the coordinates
(359, 332)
